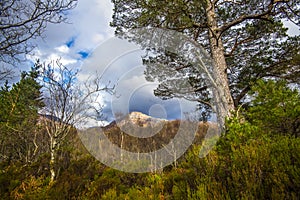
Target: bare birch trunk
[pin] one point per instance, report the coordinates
(52, 166)
(52, 162)
(122, 140)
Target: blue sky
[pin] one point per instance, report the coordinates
(87, 27)
(87, 42)
(120, 62)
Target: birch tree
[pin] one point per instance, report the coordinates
(21, 21)
(67, 104)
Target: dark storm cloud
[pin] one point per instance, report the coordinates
(119, 63)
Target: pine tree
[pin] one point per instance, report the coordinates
(245, 39)
(19, 105)
(275, 108)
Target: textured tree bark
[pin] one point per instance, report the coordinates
(223, 99)
(121, 146)
(52, 162)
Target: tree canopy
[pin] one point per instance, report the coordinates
(19, 106)
(275, 108)
(247, 40)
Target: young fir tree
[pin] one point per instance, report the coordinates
(275, 108)
(19, 105)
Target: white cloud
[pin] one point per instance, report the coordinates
(97, 38)
(87, 42)
(88, 25)
(293, 29)
(120, 63)
(63, 49)
(58, 54)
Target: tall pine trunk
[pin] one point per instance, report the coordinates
(223, 99)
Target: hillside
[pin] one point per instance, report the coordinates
(138, 132)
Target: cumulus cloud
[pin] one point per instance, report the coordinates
(87, 43)
(63, 49)
(120, 63)
(88, 25)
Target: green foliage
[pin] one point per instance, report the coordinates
(254, 165)
(23, 99)
(255, 40)
(275, 108)
(254, 159)
(19, 106)
(31, 188)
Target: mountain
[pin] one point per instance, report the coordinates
(137, 117)
(140, 119)
(138, 132)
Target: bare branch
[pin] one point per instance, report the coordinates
(237, 44)
(68, 103)
(21, 21)
(264, 16)
(6, 74)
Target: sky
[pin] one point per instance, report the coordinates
(87, 42)
(87, 27)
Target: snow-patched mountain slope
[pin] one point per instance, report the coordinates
(139, 119)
